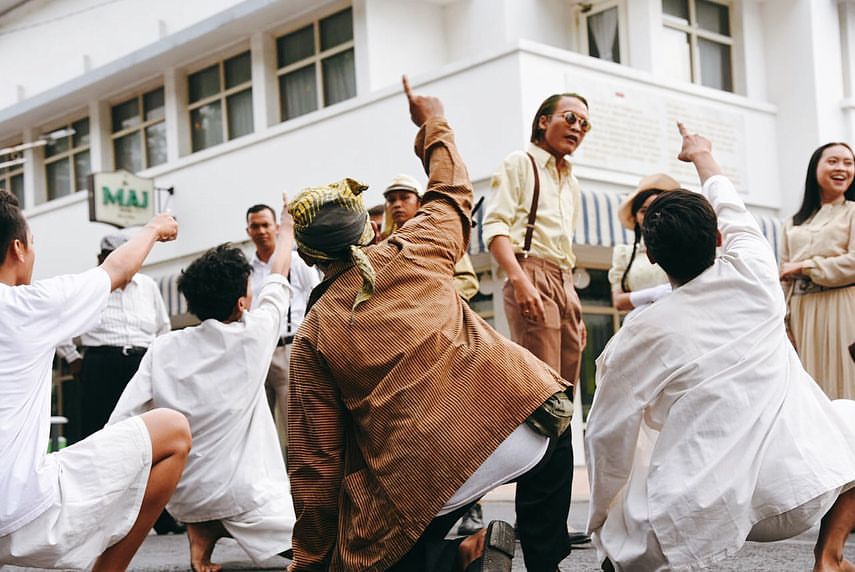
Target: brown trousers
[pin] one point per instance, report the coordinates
(556, 340)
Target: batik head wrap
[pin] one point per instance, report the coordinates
(331, 223)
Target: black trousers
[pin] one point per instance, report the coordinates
(103, 378)
(542, 506)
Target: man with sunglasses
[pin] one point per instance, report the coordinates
(529, 223)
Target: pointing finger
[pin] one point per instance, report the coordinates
(407, 90)
(682, 129)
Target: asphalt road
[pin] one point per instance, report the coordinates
(170, 553)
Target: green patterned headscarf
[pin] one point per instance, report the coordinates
(331, 223)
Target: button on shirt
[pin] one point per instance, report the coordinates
(557, 212)
(36, 318)
(303, 279)
(134, 316)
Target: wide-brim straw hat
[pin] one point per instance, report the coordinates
(658, 181)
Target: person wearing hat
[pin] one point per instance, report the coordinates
(406, 407)
(403, 199)
(113, 349)
(635, 280)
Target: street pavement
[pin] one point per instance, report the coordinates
(170, 553)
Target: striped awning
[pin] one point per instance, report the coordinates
(176, 305)
(599, 224)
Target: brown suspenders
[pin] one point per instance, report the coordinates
(532, 213)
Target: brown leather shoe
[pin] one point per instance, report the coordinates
(499, 545)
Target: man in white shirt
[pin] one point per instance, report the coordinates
(705, 429)
(114, 348)
(262, 229)
(99, 497)
(235, 482)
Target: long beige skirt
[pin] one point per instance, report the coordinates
(823, 325)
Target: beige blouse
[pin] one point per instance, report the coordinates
(826, 241)
(642, 275)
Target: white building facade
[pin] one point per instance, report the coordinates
(230, 102)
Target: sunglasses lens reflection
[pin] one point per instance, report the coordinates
(571, 119)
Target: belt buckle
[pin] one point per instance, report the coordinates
(126, 350)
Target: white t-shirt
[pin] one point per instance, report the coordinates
(35, 318)
(214, 374)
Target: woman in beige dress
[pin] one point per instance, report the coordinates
(818, 270)
(635, 280)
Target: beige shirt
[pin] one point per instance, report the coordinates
(826, 241)
(557, 212)
(641, 276)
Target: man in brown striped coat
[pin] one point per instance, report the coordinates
(406, 406)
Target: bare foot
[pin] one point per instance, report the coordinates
(472, 548)
(830, 566)
(203, 536)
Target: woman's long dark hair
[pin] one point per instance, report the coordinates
(812, 199)
(636, 204)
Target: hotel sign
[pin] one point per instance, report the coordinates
(121, 198)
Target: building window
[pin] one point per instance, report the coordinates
(316, 66)
(67, 159)
(601, 30)
(139, 132)
(12, 172)
(697, 43)
(221, 102)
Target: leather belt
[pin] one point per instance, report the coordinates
(124, 350)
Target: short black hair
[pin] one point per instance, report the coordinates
(548, 108)
(812, 199)
(13, 225)
(214, 282)
(258, 208)
(377, 210)
(680, 230)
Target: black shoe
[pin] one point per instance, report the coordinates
(578, 538)
(499, 545)
(165, 524)
(472, 521)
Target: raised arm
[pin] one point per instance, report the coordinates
(447, 203)
(280, 262)
(125, 261)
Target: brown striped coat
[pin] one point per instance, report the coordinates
(395, 405)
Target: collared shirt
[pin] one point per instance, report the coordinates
(704, 422)
(826, 243)
(35, 318)
(380, 424)
(302, 278)
(558, 208)
(134, 316)
(214, 374)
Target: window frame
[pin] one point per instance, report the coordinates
(139, 96)
(593, 10)
(316, 59)
(68, 155)
(694, 31)
(222, 95)
(13, 171)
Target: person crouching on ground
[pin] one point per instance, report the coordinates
(235, 482)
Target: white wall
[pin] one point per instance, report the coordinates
(402, 37)
(70, 37)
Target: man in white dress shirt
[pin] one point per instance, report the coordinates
(235, 482)
(99, 497)
(262, 230)
(705, 429)
(113, 349)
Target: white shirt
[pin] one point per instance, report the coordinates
(134, 316)
(704, 421)
(35, 318)
(302, 278)
(214, 374)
